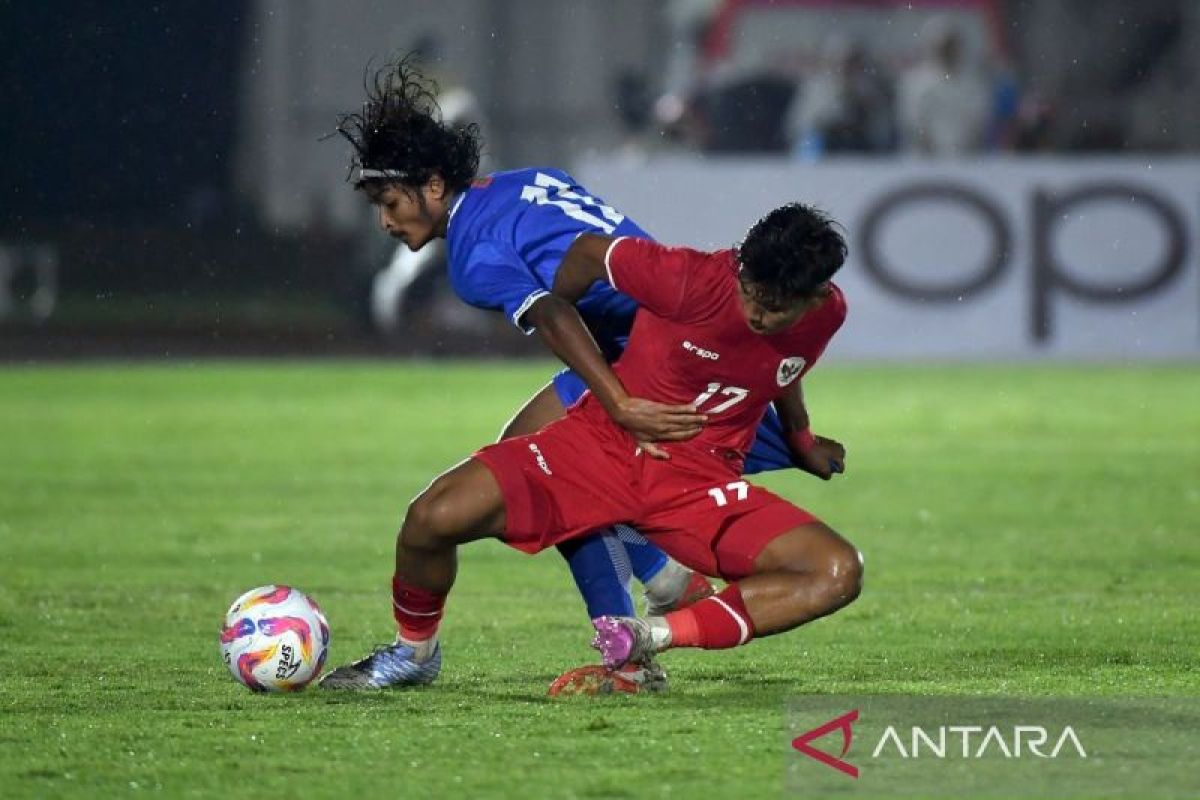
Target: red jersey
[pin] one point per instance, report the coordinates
(691, 343)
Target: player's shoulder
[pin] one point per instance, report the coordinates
(492, 201)
(702, 272)
(832, 312)
(644, 248)
(711, 269)
(520, 192)
(525, 176)
(837, 302)
(671, 281)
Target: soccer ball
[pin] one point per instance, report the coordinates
(274, 639)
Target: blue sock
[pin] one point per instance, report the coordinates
(645, 559)
(601, 570)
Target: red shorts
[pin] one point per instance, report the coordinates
(576, 476)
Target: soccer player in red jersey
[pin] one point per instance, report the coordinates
(728, 332)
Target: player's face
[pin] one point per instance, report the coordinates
(766, 317)
(414, 216)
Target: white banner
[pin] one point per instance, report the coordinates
(990, 258)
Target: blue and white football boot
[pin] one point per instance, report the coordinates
(389, 665)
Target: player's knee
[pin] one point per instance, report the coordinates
(432, 518)
(842, 574)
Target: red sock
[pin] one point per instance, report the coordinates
(418, 611)
(715, 623)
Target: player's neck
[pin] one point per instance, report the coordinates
(443, 223)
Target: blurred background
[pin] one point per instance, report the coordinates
(1018, 179)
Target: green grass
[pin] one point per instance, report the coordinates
(1029, 532)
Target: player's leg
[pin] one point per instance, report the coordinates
(804, 574)
(532, 492)
(460, 506)
(787, 574)
(598, 563)
(671, 585)
(539, 411)
(601, 564)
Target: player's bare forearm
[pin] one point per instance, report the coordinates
(582, 266)
(791, 409)
(818, 455)
(562, 329)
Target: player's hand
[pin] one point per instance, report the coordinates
(651, 422)
(824, 459)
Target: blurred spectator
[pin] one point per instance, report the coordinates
(747, 114)
(1005, 121)
(634, 104)
(681, 111)
(1033, 129)
(844, 108)
(742, 112)
(688, 25)
(944, 101)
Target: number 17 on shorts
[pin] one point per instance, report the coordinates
(737, 490)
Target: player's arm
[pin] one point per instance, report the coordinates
(582, 266)
(653, 274)
(818, 455)
(562, 329)
(493, 276)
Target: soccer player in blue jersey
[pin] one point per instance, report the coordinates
(506, 235)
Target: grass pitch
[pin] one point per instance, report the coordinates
(1029, 532)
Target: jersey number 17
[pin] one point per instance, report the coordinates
(736, 394)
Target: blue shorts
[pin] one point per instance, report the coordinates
(769, 452)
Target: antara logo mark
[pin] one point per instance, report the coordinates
(841, 723)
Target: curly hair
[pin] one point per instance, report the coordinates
(790, 254)
(399, 137)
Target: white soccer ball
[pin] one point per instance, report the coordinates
(274, 639)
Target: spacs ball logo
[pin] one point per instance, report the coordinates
(288, 663)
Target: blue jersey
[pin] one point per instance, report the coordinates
(508, 234)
